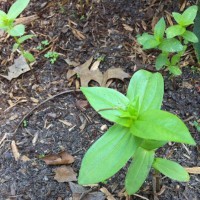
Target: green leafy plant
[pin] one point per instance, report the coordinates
(16, 31)
(140, 129)
(174, 45)
(43, 44)
(52, 56)
(196, 125)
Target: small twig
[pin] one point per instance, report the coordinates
(33, 109)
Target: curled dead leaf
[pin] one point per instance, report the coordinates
(64, 174)
(19, 67)
(86, 75)
(62, 158)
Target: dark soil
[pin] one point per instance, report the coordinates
(105, 34)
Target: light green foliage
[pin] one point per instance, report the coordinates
(197, 33)
(176, 40)
(16, 31)
(141, 127)
(197, 125)
(43, 44)
(171, 169)
(52, 56)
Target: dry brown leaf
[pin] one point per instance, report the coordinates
(19, 67)
(72, 63)
(78, 34)
(15, 151)
(26, 20)
(127, 27)
(59, 159)
(95, 65)
(24, 158)
(114, 73)
(34, 100)
(65, 122)
(65, 174)
(86, 74)
(109, 196)
(193, 170)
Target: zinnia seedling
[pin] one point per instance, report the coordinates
(16, 31)
(140, 129)
(174, 45)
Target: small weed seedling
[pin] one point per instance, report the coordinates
(174, 45)
(16, 31)
(140, 128)
(196, 125)
(43, 44)
(52, 56)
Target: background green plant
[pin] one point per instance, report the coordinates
(174, 45)
(16, 31)
(52, 56)
(140, 129)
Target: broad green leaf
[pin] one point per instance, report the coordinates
(159, 29)
(162, 126)
(175, 70)
(148, 88)
(189, 15)
(190, 36)
(15, 47)
(197, 33)
(171, 169)
(171, 45)
(152, 144)
(178, 18)
(107, 155)
(138, 170)
(143, 38)
(24, 38)
(2, 15)
(174, 31)
(161, 60)
(175, 59)
(107, 102)
(29, 57)
(17, 8)
(150, 44)
(17, 30)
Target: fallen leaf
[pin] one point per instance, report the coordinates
(86, 74)
(95, 65)
(64, 174)
(78, 34)
(127, 27)
(15, 151)
(65, 122)
(114, 73)
(187, 85)
(89, 196)
(193, 170)
(24, 158)
(26, 20)
(109, 196)
(62, 158)
(82, 104)
(34, 100)
(75, 188)
(72, 63)
(19, 67)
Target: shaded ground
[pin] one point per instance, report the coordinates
(105, 35)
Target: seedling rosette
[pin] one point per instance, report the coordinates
(140, 129)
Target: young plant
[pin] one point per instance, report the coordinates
(52, 56)
(16, 31)
(43, 44)
(140, 129)
(171, 48)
